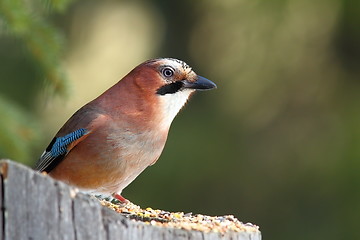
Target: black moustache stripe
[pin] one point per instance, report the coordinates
(170, 88)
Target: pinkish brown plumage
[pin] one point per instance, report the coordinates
(108, 142)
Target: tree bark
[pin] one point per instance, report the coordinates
(34, 206)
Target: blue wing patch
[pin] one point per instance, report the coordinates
(61, 143)
(57, 150)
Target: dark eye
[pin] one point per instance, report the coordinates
(167, 72)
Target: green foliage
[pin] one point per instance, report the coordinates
(27, 22)
(19, 131)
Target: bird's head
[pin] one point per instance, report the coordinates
(171, 82)
(166, 76)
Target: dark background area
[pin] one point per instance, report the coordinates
(277, 144)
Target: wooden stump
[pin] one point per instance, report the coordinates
(34, 206)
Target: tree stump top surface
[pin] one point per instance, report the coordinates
(181, 220)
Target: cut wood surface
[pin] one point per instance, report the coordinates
(35, 206)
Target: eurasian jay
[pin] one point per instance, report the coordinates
(108, 142)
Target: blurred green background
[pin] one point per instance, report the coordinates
(277, 144)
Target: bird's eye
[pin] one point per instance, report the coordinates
(167, 72)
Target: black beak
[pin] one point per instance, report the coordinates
(201, 84)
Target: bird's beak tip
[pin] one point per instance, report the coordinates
(205, 83)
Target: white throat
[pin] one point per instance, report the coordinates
(171, 104)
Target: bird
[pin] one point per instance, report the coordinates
(109, 141)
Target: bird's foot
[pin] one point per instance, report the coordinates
(114, 198)
(120, 198)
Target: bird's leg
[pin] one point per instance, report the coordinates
(120, 198)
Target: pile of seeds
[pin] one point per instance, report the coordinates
(187, 221)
